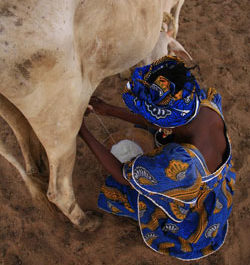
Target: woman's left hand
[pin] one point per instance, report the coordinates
(83, 128)
(88, 110)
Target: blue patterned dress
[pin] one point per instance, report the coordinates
(182, 209)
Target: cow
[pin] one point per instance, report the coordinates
(53, 55)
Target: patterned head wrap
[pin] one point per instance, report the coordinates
(159, 101)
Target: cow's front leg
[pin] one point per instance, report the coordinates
(61, 192)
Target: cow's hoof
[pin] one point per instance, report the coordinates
(91, 222)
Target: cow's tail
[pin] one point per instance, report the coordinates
(6, 153)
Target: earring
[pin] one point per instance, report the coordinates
(165, 132)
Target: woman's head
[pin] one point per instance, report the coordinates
(165, 93)
(176, 74)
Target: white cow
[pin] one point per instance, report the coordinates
(53, 54)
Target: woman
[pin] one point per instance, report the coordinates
(180, 193)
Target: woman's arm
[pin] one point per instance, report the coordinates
(103, 108)
(126, 115)
(109, 162)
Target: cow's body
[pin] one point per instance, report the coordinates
(53, 55)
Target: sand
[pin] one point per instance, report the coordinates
(216, 34)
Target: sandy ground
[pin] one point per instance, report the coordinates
(216, 33)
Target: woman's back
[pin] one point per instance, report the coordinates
(207, 133)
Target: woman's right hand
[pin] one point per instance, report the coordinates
(99, 106)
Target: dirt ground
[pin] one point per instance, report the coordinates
(216, 33)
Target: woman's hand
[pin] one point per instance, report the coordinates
(99, 106)
(83, 129)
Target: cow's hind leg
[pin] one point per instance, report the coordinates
(60, 190)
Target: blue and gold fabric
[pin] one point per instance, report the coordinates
(159, 102)
(182, 208)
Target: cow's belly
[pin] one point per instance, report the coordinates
(38, 56)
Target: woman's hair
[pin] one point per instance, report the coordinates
(177, 75)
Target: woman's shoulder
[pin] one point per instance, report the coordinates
(212, 99)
